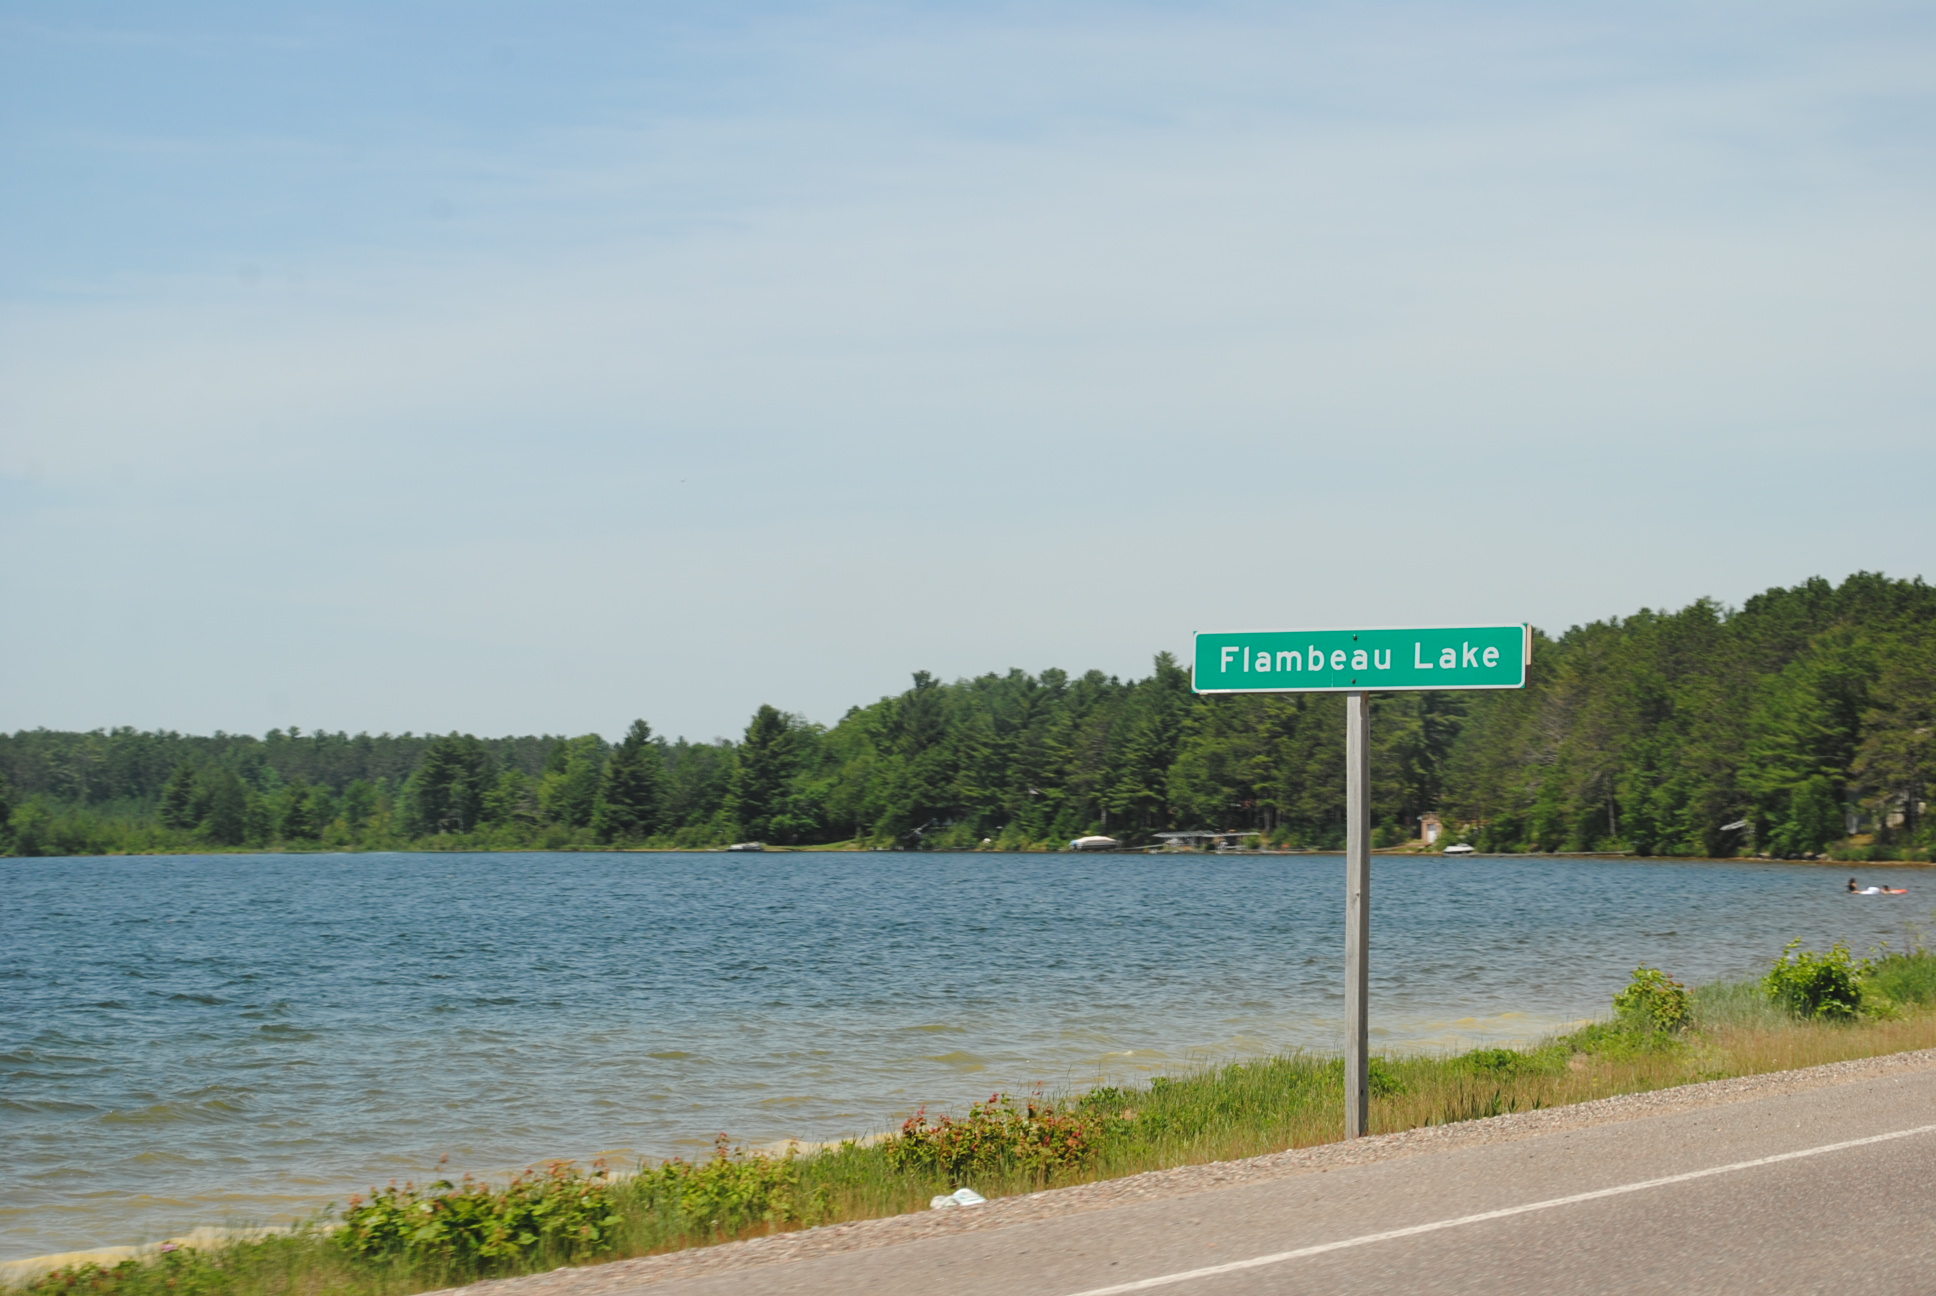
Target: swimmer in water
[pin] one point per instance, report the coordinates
(1853, 888)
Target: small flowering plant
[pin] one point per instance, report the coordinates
(998, 1135)
(1655, 1000)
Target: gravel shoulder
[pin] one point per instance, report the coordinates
(619, 1275)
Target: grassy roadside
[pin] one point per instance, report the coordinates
(1811, 1010)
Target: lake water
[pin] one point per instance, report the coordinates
(202, 1040)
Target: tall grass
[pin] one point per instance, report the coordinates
(410, 1239)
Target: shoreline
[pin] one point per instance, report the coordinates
(1387, 852)
(28, 1268)
(912, 1222)
(615, 1276)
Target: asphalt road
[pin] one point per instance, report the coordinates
(1846, 1204)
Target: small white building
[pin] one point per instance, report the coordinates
(1430, 827)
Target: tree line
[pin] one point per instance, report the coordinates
(1797, 724)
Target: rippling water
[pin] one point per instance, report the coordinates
(191, 1040)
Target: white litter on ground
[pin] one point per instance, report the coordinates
(959, 1197)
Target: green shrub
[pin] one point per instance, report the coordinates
(1823, 987)
(1509, 1064)
(1654, 1001)
(560, 1213)
(998, 1136)
(1105, 1098)
(1492, 1061)
(1381, 1079)
(1621, 1038)
(473, 1226)
(729, 1192)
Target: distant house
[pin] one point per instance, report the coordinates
(1430, 827)
(1226, 839)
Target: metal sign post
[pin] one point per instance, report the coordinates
(1357, 913)
(1354, 662)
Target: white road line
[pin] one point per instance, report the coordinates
(1257, 1262)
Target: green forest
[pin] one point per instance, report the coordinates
(1797, 725)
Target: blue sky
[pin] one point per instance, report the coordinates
(515, 367)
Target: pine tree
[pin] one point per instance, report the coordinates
(226, 820)
(301, 814)
(178, 808)
(446, 794)
(568, 793)
(629, 796)
(1158, 708)
(760, 775)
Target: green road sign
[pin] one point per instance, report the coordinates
(1347, 661)
(1359, 663)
